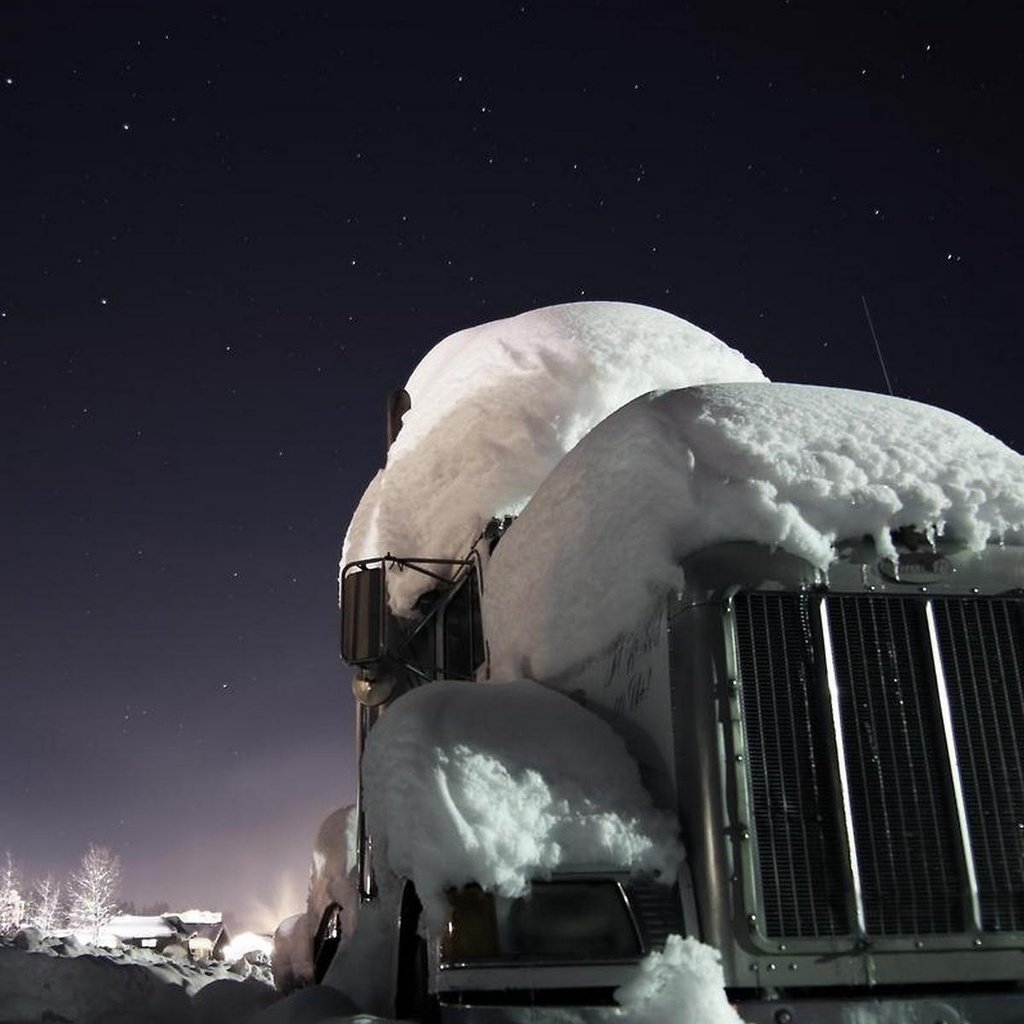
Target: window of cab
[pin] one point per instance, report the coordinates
(463, 631)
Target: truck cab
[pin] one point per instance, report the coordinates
(843, 752)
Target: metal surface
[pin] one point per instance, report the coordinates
(942, 692)
(911, 866)
(794, 809)
(832, 681)
(981, 644)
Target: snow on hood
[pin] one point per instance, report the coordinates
(495, 407)
(503, 783)
(783, 464)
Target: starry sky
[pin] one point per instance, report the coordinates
(228, 232)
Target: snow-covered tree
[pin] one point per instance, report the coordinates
(46, 911)
(94, 891)
(12, 903)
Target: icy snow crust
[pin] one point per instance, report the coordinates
(503, 783)
(494, 409)
(784, 464)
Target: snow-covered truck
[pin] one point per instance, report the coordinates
(800, 608)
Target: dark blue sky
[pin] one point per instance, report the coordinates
(229, 231)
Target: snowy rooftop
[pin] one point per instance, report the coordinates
(135, 926)
(197, 916)
(496, 407)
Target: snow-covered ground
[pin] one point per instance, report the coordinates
(63, 979)
(57, 980)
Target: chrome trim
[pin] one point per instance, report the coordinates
(832, 679)
(639, 934)
(742, 850)
(942, 691)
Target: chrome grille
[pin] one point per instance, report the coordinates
(914, 854)
(981, 643)
(791, 778)
(656, 909)
(904, 820)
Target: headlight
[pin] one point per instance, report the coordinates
(562, 921)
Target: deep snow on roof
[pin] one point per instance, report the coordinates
(791, 465)
(496, 407)
(134, 926)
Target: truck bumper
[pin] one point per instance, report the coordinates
(975, 1008)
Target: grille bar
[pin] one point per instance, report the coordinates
(832, 680)
(942, 691)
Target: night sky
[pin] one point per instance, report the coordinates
(229, 232)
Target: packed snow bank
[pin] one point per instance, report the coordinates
(61, 979)
(495, 407)
(783, 464)
(502, 783)
(96, 986)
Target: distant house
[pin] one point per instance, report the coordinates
(155, 933)
(204, 933)
(200, 933)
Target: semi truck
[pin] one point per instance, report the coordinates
(843, 748)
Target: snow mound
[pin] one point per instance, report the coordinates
(60, 979)
(683, 982)
(495, 407)
(791, 465)
(503, 783)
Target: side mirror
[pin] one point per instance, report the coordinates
(362, 614)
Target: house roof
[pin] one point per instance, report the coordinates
(135, 926)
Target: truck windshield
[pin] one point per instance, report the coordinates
(563, 922)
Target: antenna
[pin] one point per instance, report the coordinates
(878, 348)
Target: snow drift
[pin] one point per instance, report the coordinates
(495, 407)
(63, 979)
(501, 784)
(796, 466)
